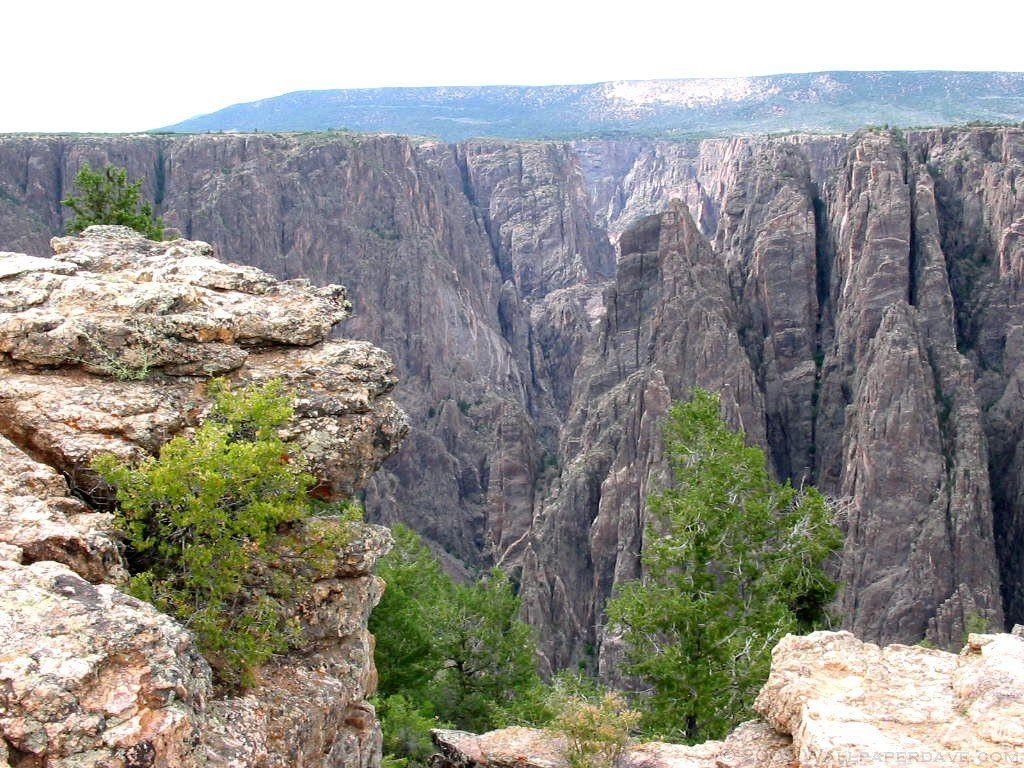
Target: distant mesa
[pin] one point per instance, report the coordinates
(816, 102)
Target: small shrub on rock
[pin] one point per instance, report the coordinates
(107, 197)
(596, 724)
(212, 525)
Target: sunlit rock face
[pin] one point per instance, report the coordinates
(107, 347)
(830, 700)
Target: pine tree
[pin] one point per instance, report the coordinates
(107, 197)
(732, 562)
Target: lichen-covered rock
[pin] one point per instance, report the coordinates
(91, 677)
(117, 303)
(39, 520)
(845, 701)
(831, 700)
(751, 745)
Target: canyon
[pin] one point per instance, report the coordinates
(856, 299)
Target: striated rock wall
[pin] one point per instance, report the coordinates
(858, 295)
(474, 266)
(106, 347)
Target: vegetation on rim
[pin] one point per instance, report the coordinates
(733, 561)
(205, 518)
(107, 197)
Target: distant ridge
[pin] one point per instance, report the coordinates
(816, 102)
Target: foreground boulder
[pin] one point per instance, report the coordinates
(831, 700)
(752, 744)
(845, 701)
(107, 347)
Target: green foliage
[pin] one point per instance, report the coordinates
(732, 561)
(596, 723)
(107, 197)
(409, 651)
(490, 678)
(406, 730)
(456, 653)
(203, 516)
(978, 624)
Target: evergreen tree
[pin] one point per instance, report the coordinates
(212, 511)
(732, 561)
(107, 197)
(448, 653)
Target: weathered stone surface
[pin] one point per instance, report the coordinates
(134, 306)
(96, 679)
(92, 677)
(310, 707)
(40, 521)
(899, 426)
(751, 745)
(846, 701)
(344, 422)
(831, 700)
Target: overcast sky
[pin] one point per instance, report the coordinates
(107, 65)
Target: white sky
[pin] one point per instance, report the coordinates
(108, 65)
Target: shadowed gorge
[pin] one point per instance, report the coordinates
(857, 300)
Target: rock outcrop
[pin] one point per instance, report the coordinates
(752, 745)
(106, 347)
(843, 701)
(831, 700)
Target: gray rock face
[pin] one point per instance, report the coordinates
(857, 295)
(668, 327)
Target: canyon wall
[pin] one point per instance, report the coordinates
(857, 299)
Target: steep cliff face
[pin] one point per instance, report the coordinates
(473, 265)
(668, 326)
(106, 348)
(857, 297)
(838, 299)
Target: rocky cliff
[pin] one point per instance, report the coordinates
(105, 347)
(831, 700)
(856, 297)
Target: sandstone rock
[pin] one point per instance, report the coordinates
(845, 701)
(345, 421)
(751, 745)
(93, 677)
(40, 521)
(830, 700)
(134, 306)
(310, 707)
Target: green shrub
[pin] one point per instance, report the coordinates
(453, 653)
(596, 724)
(109, 198)
(406, 730)
(206, 519)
